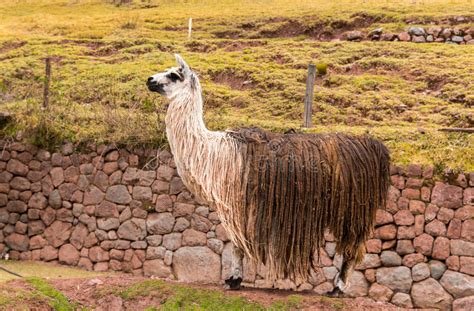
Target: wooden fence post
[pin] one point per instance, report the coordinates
(190, 28)
(47, 78)
(308, 98)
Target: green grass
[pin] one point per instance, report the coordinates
(36, 274)
(170, 296)
(145, 288)
(293, 302)
(335, 303)
(173, 297)
(186, 298)
(12, 298)
(401, 93)
(35, 294)
(56, 299)
(181, 297)
(42, 270)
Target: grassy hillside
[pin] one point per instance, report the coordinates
(252, 58)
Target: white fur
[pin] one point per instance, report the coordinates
(210, 163)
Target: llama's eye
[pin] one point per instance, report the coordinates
(174, 77)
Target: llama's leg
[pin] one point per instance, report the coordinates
(341, 281)
(233, 282)
(342, 278)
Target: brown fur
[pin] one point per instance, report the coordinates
(298, 185)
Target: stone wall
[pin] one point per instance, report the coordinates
(108, 209)
(416, 34)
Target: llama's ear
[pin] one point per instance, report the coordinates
(182, 63)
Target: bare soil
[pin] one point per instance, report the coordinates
(233, 80)
(102, 293)
(8, 46)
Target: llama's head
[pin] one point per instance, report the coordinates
(174, 80)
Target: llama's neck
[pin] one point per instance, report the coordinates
(185, 126)
(211, 164)
(184, 118)
(192, 144)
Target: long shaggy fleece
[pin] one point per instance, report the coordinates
(299, 185)
(276, 194)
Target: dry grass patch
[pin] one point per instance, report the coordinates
(42, 270)
(392, 90)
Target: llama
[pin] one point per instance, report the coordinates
(276, 194)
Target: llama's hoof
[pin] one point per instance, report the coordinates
(336, 292)
(339, 283)
(233, 283)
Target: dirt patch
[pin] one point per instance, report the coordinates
(8, 46)
(102, 293)
(128, 292)
(376, 68)
(87, 43)
(95, 48)
(309, 300)
(248, 25)
(228, 34)
(294, 28)
(200, 47)
(19, 298)
(280, 59)
(102, 51)
(448, 20)
(291, 28)
(360, 20)
(177, 28)
(352, 69)
(233, 80)
(99, 48)
(436, 83)
(18, 283)
(323, 30)
(117, 60)
(232, 46)
(363, 19)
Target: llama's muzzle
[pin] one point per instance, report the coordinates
(154, 86)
